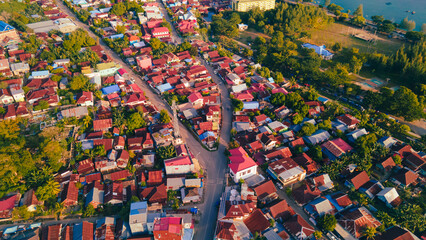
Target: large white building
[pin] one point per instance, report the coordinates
(138, 217)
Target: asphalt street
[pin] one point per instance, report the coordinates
(214, 163)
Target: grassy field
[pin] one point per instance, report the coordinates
(250, 34)
(338, 32)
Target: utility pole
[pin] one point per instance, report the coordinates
(175, 120)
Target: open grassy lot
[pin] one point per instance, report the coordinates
(250, 34)
(338, 32)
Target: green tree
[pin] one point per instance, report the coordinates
(21, 213)
(369, 232)
(121, 29)
(52, 152)
(164, 116)
(89, 211)
(48, 191)
(135, 121)
(118, 9)
(278, 99)
(155, 44)
(166, 152)
(377, 19)
(42, 104)
(298, 118)
(317, 234)
(397, 159)
(78, 82)
(336, 47)
(307, 129)
(327, 222)
(414, 36)
(359, 11)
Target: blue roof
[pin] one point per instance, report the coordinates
(40, 73)
(206, 135)
(323, 99)
(164, 87)
(116, 36)
(318, 49)
(110, 89)
(251, 105)
(10, 230)
(335, 204)
(5, 27)
(271, 80)
(77, 232)
(89, 197)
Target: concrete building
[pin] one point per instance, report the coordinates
(138, 217)
(64, 25)
(246, 5)
(7, 31)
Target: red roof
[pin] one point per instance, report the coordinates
(256, 222)
(296, 225)
(337, 147)
(240, 160)
(155, 177)
(360, 179)
(281, 210)
(265, 189)
(123, 174)
(102, 124)
(7, 203)
(348, 119)
(85, 97)
(194, 97)
(178, 161)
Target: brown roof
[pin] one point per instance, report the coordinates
(281, 210)
(296, 225)
(305, 194)
(348, 119)
(30, 198)
(355, 220)
(265, 189)
(342, 199)
(406, 176)
(359, 179)
(388, 164)
(414, 161)
(53, 232)
(395, 233)
(102, 124)
(256, 222)
(155, 177)
(155, 194)
(226, 230)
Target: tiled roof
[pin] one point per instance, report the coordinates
(102, 124)
(359, 179)
(256, 222)
(281, 210)
(265, 189)
(297, 226)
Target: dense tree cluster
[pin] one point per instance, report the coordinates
(402, 102)
(22, 159)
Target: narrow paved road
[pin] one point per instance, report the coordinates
(215, 163)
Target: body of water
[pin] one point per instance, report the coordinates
(394, 10)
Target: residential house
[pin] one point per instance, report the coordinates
(305, 193)
(30, 200)
(404, 177)
(355, 220)
(138, 217)
(241, 166)
(69, 195)
(95, 196)
(179, 165)
(298, 227)
(83, 231)
(349, 121)
(335, 148)
(113, 193)
(190, 195)
(318, 137)
(281, 210)
(357, 179)
(156, 194)
(102, 125)
(390, 197)
(323, 182)
(319, 207)
(266, 191)
(7, 204)
(256, 222)
(396, 233)
(287, 171)
(85, 99)
(354, 135)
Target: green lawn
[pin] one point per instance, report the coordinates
(338, 32)
(250, 33)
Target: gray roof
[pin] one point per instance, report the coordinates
(75, 112)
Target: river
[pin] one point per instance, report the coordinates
(395, 10)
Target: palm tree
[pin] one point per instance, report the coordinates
(369, 232)
(59, 209)
(292, 81)
(86, 121)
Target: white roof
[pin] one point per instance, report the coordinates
(358, 133)
(241, 126)
(239, 88)
(291, 173)
(389, 194)
(190, 113)
(276, 124)
(323, 207)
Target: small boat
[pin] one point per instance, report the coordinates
(413, 12)
(408, 11)
(388, 3)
